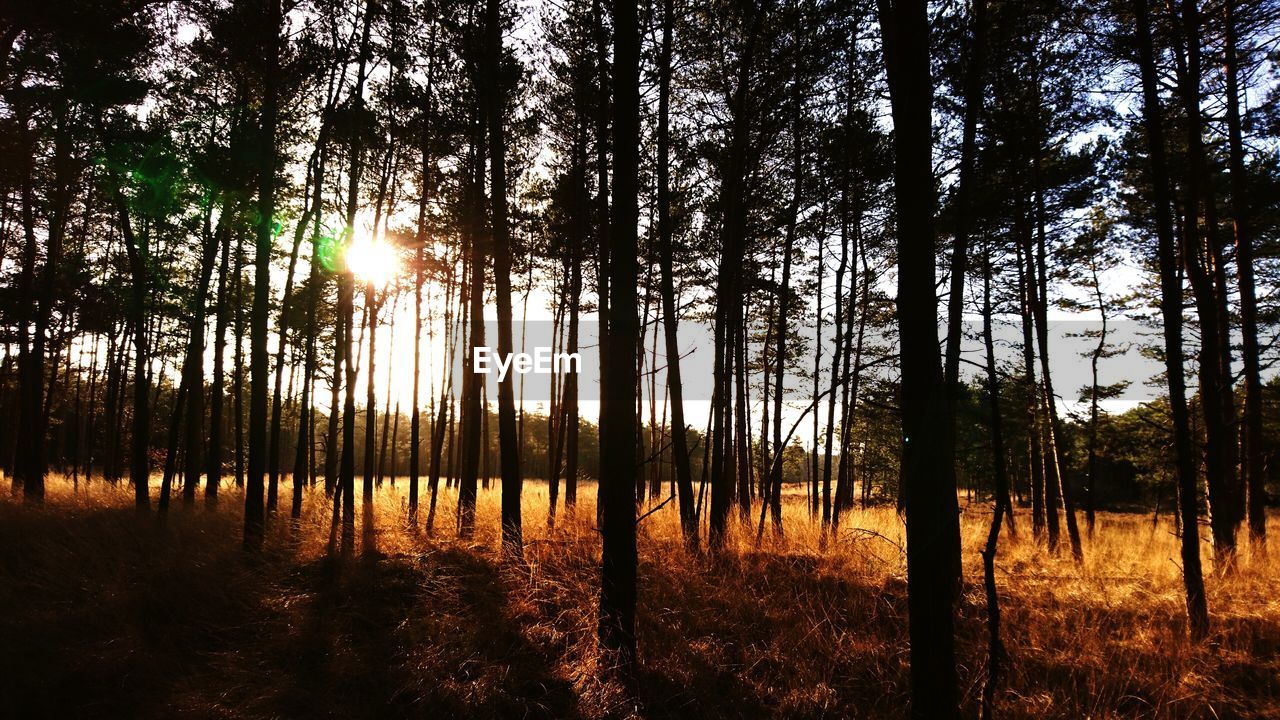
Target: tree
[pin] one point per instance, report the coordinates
(1171, 306)
(495, 106)
(666, 261)
(254, 521)
(933, 529)
(1204, 263)
(1253, 465)
(617, 440)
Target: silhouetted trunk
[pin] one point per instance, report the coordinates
(508, 440)
(217, 391)
(570, 401)
(837, 355)
(774, 498)
(1203, 261)
(471, 411)
(303, 460)
(386, 416)
(371, 304)
(1095, 357)
(28, 450)
(852, 373)
(441, 423)
(742, 432)
(310, 206)
(1253, 465)
(237, 385)
(1003, 506)
(30, 460)
(193, 365)
(618, 459)
(1171, 309)
(928, 473)
(171, 447)
(254, 519)
(726, 453)
(140, 461)
(1035, 466)
(346, 303)
(420, 242)
(1054, 479)
(332, 453)
(974, 73)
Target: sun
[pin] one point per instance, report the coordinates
(372, 260)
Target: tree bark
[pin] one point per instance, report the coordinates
(1003, 506)
(217, 391)
(1171, 309)
(508, 440)
(974, 82)
(254, 519)
(933, 536)
(140, 461)
(193, 366)
(617, 446)
(346, 303)
(1253, 465)
(1203, 262)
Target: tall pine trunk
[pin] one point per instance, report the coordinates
(254, 517)
(508, 440)
(346, 304)
(1203, 261)
(928, 472)
(1171, 309)
(1253, 465)
(618, 459)
(217, 392)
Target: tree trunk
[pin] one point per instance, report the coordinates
(508, 440)
(617, 446)
(193, 365)
(254, 519)
(1035, 466)
(974, 82)
(314, 170)
(1171, 308)
(995, 654)
(140, 461)
(928, 472)
(841, 306)
(346, 305)
(1253, 465)
(472, 409)
(1203, 263)
(31, 462)
(372, 305)
(217, 392)
(774, 498)
(1053, 428)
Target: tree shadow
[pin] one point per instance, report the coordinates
(102, 610)
(402, 636)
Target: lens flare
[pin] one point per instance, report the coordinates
(372, 261)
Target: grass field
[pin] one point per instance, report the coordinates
(104, 613)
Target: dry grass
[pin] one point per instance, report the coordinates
(107, 614)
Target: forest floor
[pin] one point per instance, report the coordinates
(105, 613)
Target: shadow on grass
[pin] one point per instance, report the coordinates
(106, 614)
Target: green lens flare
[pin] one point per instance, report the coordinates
(328, 250)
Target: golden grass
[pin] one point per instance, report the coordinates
(158, 620)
